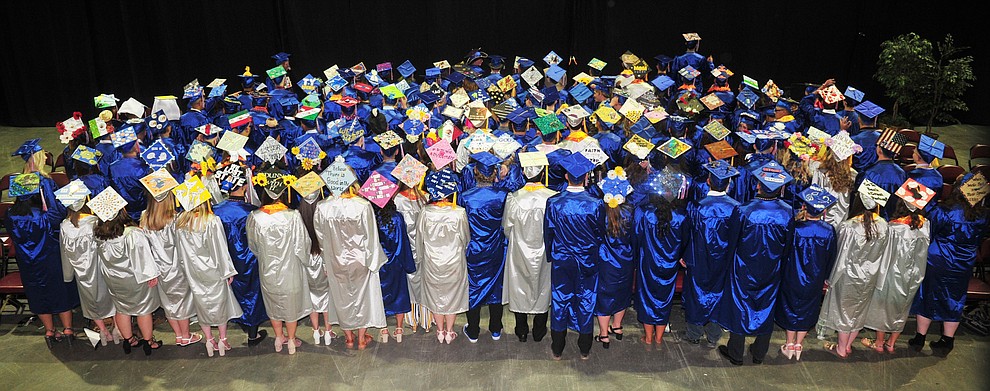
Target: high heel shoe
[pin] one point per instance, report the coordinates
(384, 335)
(50, 339)
(441, 335)
(150, 344)
(116, 336)
(398, 335)
(70, 336)
(451, 336)
(279, 341)
(104, 337)
(797, 352)
(599, 338)
(129, 343)
(211, 346)
(618, 336)
(224, 346)
(787, 350)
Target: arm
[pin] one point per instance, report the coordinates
(218, 244)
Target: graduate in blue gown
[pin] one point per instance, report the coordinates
(392, 233)
(957, 227)
(233, 214)
(360, 160)
(660, 236)
(713, 222)
(33, 223)
(691, 57)
(803, 274)
(88, 173)
(867, 113)
(573, 228)
(754, 276)
(927, 151)
(885, 172)
(125, 177)
(192, 119)
(485, 205)
(617, 257)
(108, 153)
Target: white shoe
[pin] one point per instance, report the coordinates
(384, 335)
(316, 337)
(327, 337)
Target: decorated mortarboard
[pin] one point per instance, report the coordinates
(749, 138)
(441, 153)
(106, 204)
(817, 135)
(691, 37)
(773, 175)
(199, 151)
(157, 155)
(830, 94)
(872, 194)
(717, 130)
(505, 145)
(842, 146)
(276, 72)
(159, 183)
(347, 73)
(915, 195)
(378, 189)
(270, 150)
(674, 147)
(157, 121)
(854, 94)
(309, 150)
(192, 91)
(751, 82)
(351, 132)
(309, 84)
(231, 176)
(533, 159)
(689, 103)
(771, 90)
(721, 169)
(273, 181)
(25, 184)
(721, 149)
(373, 77)
(480, 141)
(632, 110)
(191, 193)
(506, 107)
(133, 107)
(712, 101)
(892, 140)
(167, 105)
(817, 199)
(869, 109)
(597, 64)
(363, 87)
(73, 195)
(931, 146)
(593, 152)
(974, 187)
(336, 83)
(86, 155)
(801, 146)
(388, 140)
(338, 176)
(552, 58)
(607, 114)
(747, 97)
(207, 129)
(688, 72)
(441, 184)
(615, 187)
(640, 68)
(459, 98)
(532, 76)
(359, 68)
(548, 123)
(70, 128)
(478, 115)
(453, 112)
(218, 91)
(583, 78)
(308, 184)
(575, 114)
(392, 92)
(638, 146)
(409, 171)
(123, 138)
(103, 101)
(556, 73)
(656, 114)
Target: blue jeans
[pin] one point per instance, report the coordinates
(712, 330)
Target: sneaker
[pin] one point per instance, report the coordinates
(471, 339)
(684, 337)
(496, 335)
(710, 345)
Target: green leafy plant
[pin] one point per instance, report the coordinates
(926, 81)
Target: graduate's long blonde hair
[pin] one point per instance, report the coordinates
(195, 220)
(158, 214)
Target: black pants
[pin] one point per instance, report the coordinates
(539, 325)
(474, 320)
(559, 338)
(251, 331)
(737, 342)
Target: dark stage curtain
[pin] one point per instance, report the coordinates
(58, 55)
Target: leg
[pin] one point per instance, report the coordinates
(714, 333)
(923, 324)
(659, 333)
(849, 341)
(949, 329)
(362, 337)
(441, 332)
(473, 327)
(760, 347)
(945, 344)
(290, 331)
(558, 339)
(66, 318)
(891, 341)
(522, 326)
(918, 341)
(736, 345)
(648, 330)
(211, 345)
(616, 326)
(279, 336)
(602, 329)
(798, 341)
(495, 319)
(584, 344)
(540, 326)
(840, 349)
(49, 322)
(146, 325)
(693, 333)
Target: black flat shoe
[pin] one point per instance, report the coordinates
(537, 337)
(523, 337)
(599, 338)
(262, 334)
(724, 352)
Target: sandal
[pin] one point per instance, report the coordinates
(364, 344)
(450, 337)
(871, 344)
(224, 346)
(398, 335)
(150, 344)
(349, 343)
(130, 343)
(833, 348)
(600, 338)
(889, 348)
(193, 338)
(50, 338)
(384, 335)
(787, 350)
(279, 341)
(618, 336)
(797, 351)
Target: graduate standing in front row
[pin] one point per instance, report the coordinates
(754, 276)
(573, 229)
(527, 274)
(617, 258)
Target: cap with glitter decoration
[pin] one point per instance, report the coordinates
(674, 147)
(441, 184)
(869, 109)
(577, 165)
(817, 199)
(25, 184)
(773, 176)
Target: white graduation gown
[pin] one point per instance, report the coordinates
(281, 244)
(173, 286)
(127, 266)
(442, 237)
(79, 261)
(208, 266)
(527, 273)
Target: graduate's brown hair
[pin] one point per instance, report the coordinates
(114, 228)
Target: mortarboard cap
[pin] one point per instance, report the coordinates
(853, 94)
(25, 184)
(73, 195)
(747, 97)
(124, 139)
(662, 82)
(191, 193)
(615, 187)
(308, 184)
(555, 72)
(674, 147)
(30, 147)
(159, 183)
(773, 176)
(441, 184)
(86, 155)
(869, 109)
(872, 194)
(103, 101)
(281, 57)
(106, 204)
(487, 162)
(931, 147)
(577, 165)
(892, 140)
(974, 187)
(817, 199)
(915, 195)
(721, 169)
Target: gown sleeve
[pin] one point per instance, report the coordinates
(67, 272)
(301, 250)
(141, 258)
(376, 255)
(549, 229)
(218, 243)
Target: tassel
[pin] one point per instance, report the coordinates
(455, 198)
(546, 176)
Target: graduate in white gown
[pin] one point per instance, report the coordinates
(201, 246)
(409, 202)
(277, 236)
(319, 283)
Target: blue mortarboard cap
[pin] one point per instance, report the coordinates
(555, 72)
(662, 82)
(853, 94)
(817, 199)
(773, 175)
(518, 116)
(663, 59)
(487, 162)
(428, 97)
(525, 62)
(932, 147)
(432, 72)
(580, 92)
(747, 97)
(413, 127)
(281, 57)
(869, 109)
(406, 69)
(721, 169)
(28, 148)
(746, 137)
(577, 165)
(496, 61)
(483, 83)
(441, 183)
(783, 104)
(455, 77)
(346, 73)
(550, 95)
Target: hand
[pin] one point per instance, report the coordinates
(230, 280)
(153, 282)
(827, 83)
(710, 59)
(845, 123)
(684, 265)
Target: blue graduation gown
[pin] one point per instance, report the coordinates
(616, 268)
(951, 257)
(109, 155)
(398, 250)
(556, 171)
(385, 170)
(889, 176)
(486, 251)
(714, 225)
(361, 161)
(696, 61)
(573, 227)
(866, 138)
(853, 119)
(247, 283)
(611, 144)
(803, 275)
(96, 183)
(754, 275)
(746, 182)
(659, 253)
(125, 177)
(186, 132)
(39, 259)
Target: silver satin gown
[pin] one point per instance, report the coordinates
(208, 266)
(441, 240)
(838, 212)
(79, 261)
(319, 282)
(127, 265)
(527, 273)
(281, 244)
(410, 213)
(855, 275)
(352, 254)
(901, 272)
(173, 286)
